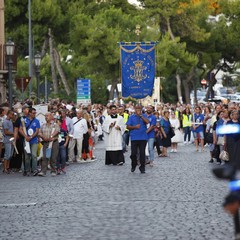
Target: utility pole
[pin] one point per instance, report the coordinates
(30, 46)
(3, 92)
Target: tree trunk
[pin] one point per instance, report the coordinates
(54, 76)
(113, 87)
(60, 71)
(179, 81)
(170, 29)
(187, 87)
(179, 90)
(45, 46)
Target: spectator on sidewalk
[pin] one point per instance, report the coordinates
(165, 129)
(63, 139)
(2, 117)
(197, 128)
(19, 139)
(186, 122)
(49, 134)
(76, 138)
(7, 135)
(29, 129)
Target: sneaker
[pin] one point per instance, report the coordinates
(58, 171)
(81, 161)
(63, 171)
(35, 173)
(20, 170)
(211, 161)
(67, 163)
(24, 173)
(120, 164)
(53, 174)
(41, 174)
(184, 142)
(175, 150)
(89, 160)
(172, 150)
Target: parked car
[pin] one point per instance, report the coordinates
(232, 97)
(217, 99)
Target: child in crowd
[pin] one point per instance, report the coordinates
(62, 154)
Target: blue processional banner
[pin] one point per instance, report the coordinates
(137, 69)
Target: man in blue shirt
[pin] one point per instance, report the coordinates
(29, 129)
(197, 128)
(137, 125)
(150, 132)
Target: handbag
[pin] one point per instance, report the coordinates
(48, 152)
(171, 132)
(209, 137)
(224, 155)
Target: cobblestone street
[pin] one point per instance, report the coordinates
(178, 198)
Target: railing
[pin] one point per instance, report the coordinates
(3, 63)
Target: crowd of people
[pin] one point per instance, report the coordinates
(70, 133)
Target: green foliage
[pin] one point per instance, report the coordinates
(89, 31)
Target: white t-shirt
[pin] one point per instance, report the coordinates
(79, 128)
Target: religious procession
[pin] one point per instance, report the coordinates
(118, 118)
(69, 133)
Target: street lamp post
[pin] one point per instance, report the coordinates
(37, 59)
(9, 49)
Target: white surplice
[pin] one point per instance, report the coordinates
(113, 136)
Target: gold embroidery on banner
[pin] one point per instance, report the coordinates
(138, 47)
(138, 71)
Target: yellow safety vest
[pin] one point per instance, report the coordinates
(125, 118)
(186, 121)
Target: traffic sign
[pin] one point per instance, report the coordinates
(22, 83)
(83, 91)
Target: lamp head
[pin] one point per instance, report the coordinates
(37, 59)
(9, 47)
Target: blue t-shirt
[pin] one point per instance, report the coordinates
(165, 124)
(152, 122)
(137, 134)
(31, 128)
(198, 119)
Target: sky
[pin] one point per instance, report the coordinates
(133, 1)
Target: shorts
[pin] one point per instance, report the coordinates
(198, 135)
(8, 151)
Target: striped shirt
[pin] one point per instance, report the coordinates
(47, 130)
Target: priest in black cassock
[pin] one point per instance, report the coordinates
(113, 127)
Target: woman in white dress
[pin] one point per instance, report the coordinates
(175, 123)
